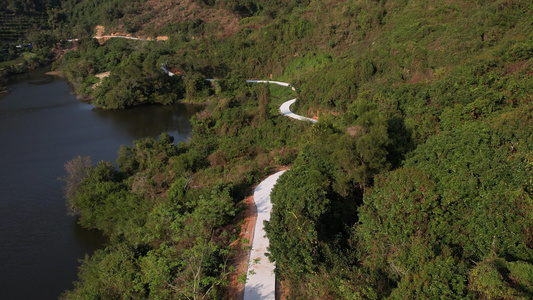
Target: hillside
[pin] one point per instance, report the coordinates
(140, 18)
(19, 18)
(416, 182)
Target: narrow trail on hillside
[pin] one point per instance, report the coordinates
(261, 280)
(98, 37)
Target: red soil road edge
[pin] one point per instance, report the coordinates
(235, 289)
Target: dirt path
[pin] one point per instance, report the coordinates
(235, 290)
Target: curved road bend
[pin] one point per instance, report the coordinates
(285, 108)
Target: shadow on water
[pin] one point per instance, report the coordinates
(37, 75)
(152, 120)
(87, 238)
(42, 81)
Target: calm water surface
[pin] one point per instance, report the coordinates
(42, 125)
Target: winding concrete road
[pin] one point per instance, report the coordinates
(119, 36)
(112, 36)
(285, 110)
(261, 280)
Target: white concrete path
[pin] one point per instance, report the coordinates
(111, 36)
(285, 110)
(261, 281)
(120, 36)
(270, 81)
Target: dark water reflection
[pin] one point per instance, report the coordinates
(42, 125)
(146, 121)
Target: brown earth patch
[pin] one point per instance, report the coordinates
(282, 290)
(315, 114)
(511, 69)
(100, 76)
(103, 75)
(421, 76)
(54, 73)
(163, 13)
(355, 131)
(99, 30)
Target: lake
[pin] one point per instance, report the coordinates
(42, 126)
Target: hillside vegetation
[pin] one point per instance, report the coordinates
(416, 183)
(20, 17)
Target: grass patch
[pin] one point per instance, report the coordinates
(21, 59)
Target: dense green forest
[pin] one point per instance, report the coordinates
(416, 183)
(19, 18)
